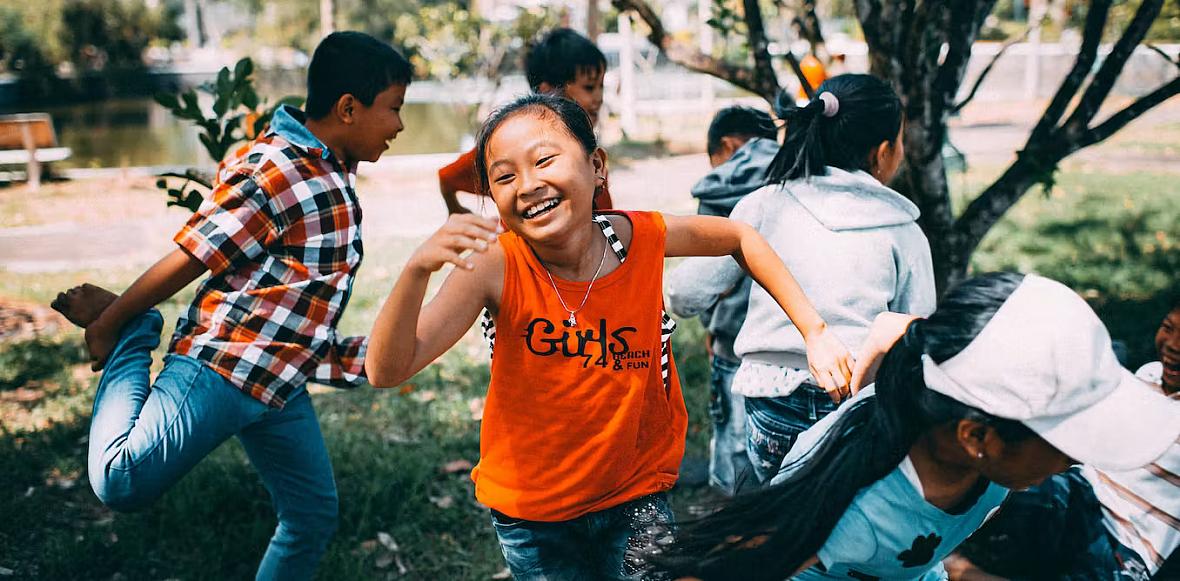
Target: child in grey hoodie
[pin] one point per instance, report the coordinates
(741, 143)
(853, 244)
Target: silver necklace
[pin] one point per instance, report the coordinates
(572, 321)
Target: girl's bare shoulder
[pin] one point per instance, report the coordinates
(623, 228)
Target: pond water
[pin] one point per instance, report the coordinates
(139, 132)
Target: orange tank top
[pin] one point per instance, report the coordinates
(581, 419)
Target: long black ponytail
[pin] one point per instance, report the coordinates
(868, 113)
(768, 534)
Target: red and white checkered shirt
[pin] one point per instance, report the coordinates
(281, 238)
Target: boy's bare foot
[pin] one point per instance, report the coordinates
(83, 304)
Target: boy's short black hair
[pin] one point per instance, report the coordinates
(559, 56)
(739, 121)
(352, 63)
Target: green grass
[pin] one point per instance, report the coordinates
(388, 448)
(1110, 236)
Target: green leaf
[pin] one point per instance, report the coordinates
(212, 147)
(192, 108)
(250, 98)
(244, 68)
(193, 200)
(190, 199)
(261, 121)
(168, 101)
(228, 141)
(223, 84)
(219, 106)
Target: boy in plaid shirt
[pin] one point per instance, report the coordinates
(280, 238)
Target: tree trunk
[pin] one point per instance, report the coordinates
(922, 48)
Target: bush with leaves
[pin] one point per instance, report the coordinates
(447, 41)
(238, 115)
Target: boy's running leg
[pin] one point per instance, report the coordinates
(143, 438)
(287, 448)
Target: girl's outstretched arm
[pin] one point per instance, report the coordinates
(828, 358)
(407, 336)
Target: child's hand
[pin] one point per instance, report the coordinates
(100, 341)
(886, 329)
(461, 233)
(830, 364)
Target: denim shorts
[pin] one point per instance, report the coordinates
(728, 463)
(773, 423)
(604, 545)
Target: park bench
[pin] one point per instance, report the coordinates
(29, 139)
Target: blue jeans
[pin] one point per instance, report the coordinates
(144, 437)
(1053, 531)
(773, 423)
(728, 462)
(604, 545)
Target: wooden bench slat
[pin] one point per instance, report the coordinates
(21, 157)
(39, 126)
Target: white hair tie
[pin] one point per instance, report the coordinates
(831, 104)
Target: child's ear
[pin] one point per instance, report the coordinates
(731, 143)
(972, 436)
(345, 109)
(598, 159)
(546, 88)
(878, 155)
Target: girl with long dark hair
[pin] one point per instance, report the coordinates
(1011, 380)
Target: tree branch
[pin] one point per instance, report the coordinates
(756, 33)
(988, 68)
(191, 174)
(1103, 80)
(1091, 37)
(798, 70)
(1160, 51)
(1045, 151)
(883, 40)
(690, 58)
(805, 22)
(1130, 112)
(966, 20)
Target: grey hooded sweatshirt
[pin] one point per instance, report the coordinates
(851, 242)
(719, 191)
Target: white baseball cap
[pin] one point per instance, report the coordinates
(1045, 359)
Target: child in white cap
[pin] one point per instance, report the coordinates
(1090, 523)
(1011, 380)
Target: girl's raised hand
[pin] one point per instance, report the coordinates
(886, 329)
(830, 364)
(450, 243)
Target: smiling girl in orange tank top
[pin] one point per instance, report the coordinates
(584, 424)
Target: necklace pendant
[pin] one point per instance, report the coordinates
(570, 322)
